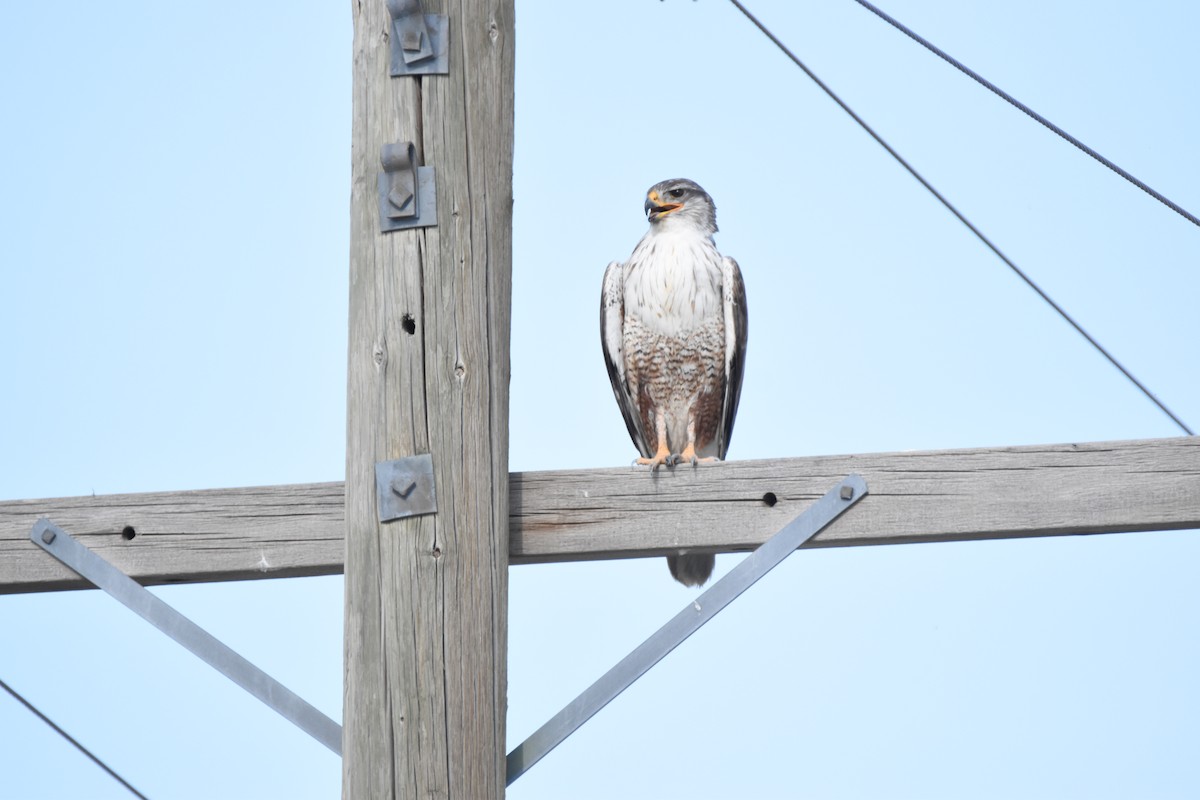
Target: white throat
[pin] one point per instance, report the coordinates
(673, 279)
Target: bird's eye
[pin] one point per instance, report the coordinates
(676, 193)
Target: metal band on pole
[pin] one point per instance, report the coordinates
(61, 545)
(684, 624)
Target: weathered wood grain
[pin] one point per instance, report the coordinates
(926, 496)
(182, 537)
(426, 597)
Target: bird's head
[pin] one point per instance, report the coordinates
(680, 201)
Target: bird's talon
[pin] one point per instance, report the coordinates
(661, 457)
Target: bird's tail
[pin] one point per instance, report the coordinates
(692, 569)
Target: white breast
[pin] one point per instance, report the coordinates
(673, 280)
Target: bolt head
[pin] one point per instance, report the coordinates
(48, 535)
(847, 493)
(411, 41)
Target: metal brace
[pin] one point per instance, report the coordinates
(419, 40)
(60, 544)
(405, 487)
(768, 555)
(407, 193)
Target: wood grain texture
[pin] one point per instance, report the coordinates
(926, 496)
(426, 597)
(182, 537)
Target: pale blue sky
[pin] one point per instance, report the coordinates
(173, 241)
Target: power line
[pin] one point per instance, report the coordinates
(949, 206)
(70, 739)
(1022, 107)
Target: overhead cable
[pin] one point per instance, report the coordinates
(70, 739)
(1021, 106)
(950, 207)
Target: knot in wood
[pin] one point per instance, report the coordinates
(460, 370)
(379, 354)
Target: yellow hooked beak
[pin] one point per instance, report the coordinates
(656, 209)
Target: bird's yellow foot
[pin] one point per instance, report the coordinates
(689, 455)
(661, 456)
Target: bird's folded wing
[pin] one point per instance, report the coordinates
(612, 321)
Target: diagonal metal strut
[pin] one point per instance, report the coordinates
(684, 624)
(58, 543)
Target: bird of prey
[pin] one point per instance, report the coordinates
(673, 328)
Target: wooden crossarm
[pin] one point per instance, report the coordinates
(574, 515)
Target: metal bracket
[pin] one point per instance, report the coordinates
(58, 543)
(769, 554)
(419, 40)
(405, 487)
(407, 193)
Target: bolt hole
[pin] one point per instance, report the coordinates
(409, 324)
(770, 499)
(127, 533)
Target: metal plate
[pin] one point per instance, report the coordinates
(426, 215)
(404, 487)
(438, 28)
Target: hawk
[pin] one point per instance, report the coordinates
(673, 328)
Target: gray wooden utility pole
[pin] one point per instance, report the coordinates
(426, 596)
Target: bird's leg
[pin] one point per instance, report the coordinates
(662, 455)
(675, 458)
(689, 452)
